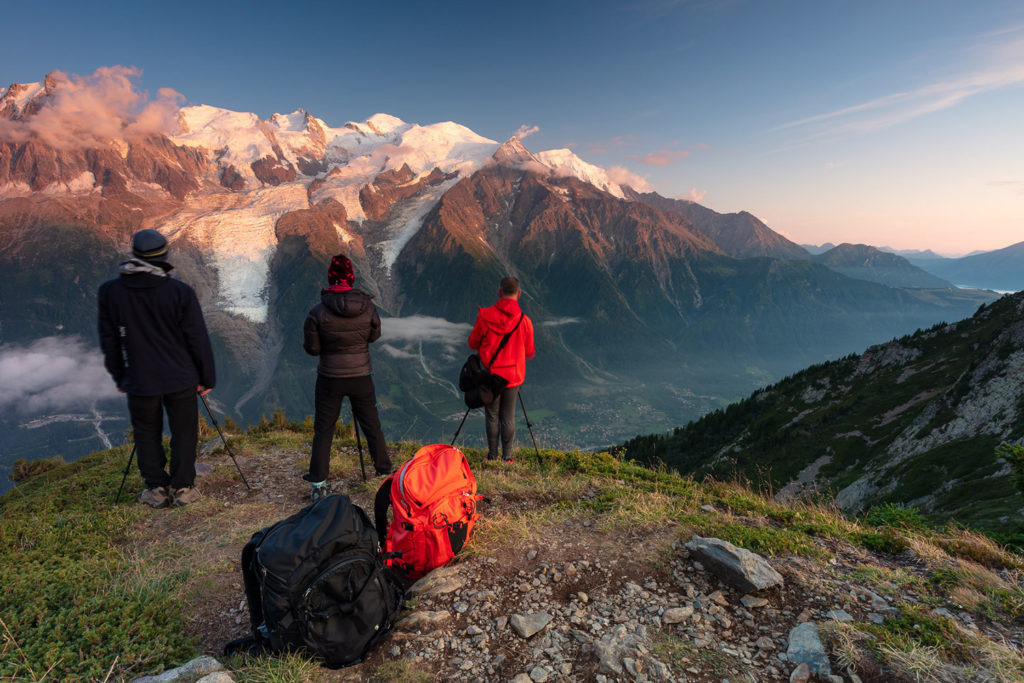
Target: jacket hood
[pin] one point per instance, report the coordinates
(502, 316)
(347, 304)
(140, 274)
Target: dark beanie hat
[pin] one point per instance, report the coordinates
(340, 270)
(149, 245)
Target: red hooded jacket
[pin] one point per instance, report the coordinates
(493, 323)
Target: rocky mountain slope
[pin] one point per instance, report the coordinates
(582, 567)
(740, 235)
(635, 304)
(915, 421)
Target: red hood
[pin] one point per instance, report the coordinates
(502, 316)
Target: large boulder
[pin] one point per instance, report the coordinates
(743, 570)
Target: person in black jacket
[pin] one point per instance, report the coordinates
(156, 348)
(339, 330)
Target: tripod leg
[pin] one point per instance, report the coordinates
(125, 477)
(359, 442)
(225, 440)
(529, 426)
(460, 427)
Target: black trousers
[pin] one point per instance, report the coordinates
(500, 416)
(330, 392)
(148, 426)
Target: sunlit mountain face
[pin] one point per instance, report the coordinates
(648, 312)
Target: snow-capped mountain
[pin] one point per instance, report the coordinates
(644, 319)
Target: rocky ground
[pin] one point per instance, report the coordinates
(580, 598)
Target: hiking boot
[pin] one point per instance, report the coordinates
(318, 490)
(383, 473)
(186, 495)
(155, 497)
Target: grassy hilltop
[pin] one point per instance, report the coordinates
(100, 592)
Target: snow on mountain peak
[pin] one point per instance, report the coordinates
(565, 163)
(513, 153)
(17, 95)
(382, 124)
(297, 121)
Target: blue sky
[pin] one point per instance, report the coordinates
(888, 123)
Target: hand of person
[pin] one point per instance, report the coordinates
(202, 391)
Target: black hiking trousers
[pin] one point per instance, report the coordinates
(148, 426)
(500, 423)
(330, 393)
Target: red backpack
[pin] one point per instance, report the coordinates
(433, 498)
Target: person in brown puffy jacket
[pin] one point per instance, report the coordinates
(339, 330)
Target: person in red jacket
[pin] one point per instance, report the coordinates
(492, 324)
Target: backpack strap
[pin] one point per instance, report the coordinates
(253, 589)
(504, 339)
(380, 510)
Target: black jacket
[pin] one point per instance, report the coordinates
(339, 329)
(153, 335)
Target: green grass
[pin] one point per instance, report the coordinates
(83, 599)
(915, 628)
(74, 606)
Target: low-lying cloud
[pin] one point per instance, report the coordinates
(558, 322)
(87, 111)
(53, 374)
(422, 328)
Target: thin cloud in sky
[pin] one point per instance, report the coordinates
(526, 131)
(664, 157)
(605, 146)
(695, 195)
(1004, 68)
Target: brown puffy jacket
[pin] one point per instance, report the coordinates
(339, 329)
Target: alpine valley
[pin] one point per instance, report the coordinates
(649, 311)
(914, 421)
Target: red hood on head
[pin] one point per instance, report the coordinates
(502, 316)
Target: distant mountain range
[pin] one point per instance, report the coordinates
(914, 421)
(1001, 270)
(649, 311)
(868, 263)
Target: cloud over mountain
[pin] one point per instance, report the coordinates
(80, 112)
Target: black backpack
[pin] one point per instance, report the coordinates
(315, 582)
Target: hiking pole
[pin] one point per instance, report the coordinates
(529, 426)
(126, 468)
(460, 427)
(225, 440)
(359, 443)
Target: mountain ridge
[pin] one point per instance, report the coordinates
(914, 421)
(635, 305)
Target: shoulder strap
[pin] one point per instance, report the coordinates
(253, 588)
(504, 339)
(380, 511)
